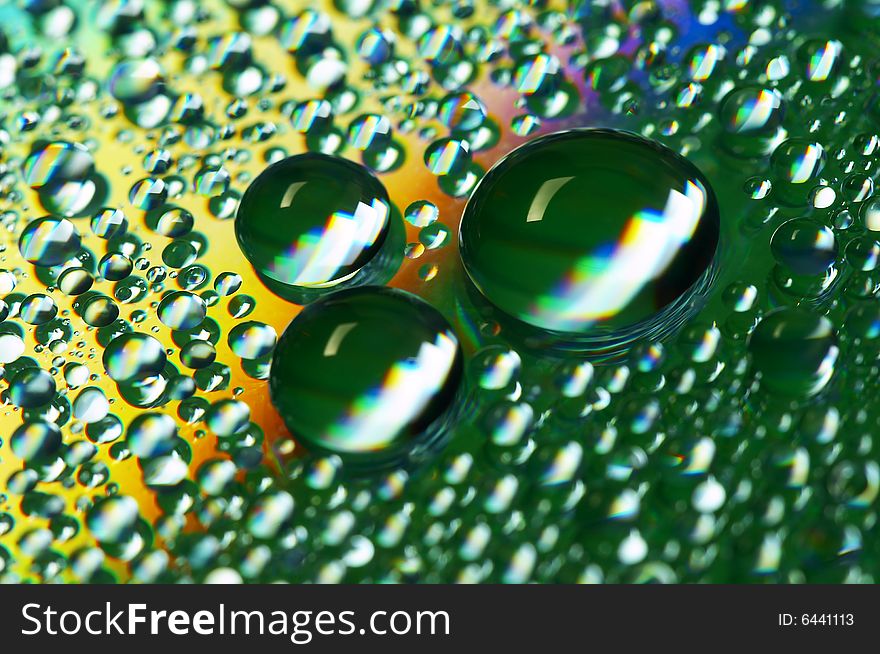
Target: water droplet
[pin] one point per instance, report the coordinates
(795, 351)
(136, 81)
(133, 356)
(269, 513)
(796, 165)
(312, 220)
(11, 347)
(863, 253)
(448, 157)
(751, 117)
(252, 340)
(421, 213)
(370, 374)
(589, 229)
(804, 246)
(97, 310)
(37, 309)
(148, 193)
(108, 223)
(821, 59)
(151, 434)
(91, 405)
(112, 519)
(182, 310)
(434, 236)
(35, 441)
(31, 387)
(462, 112)
(56, 164)
(49, 241)
(75, 281)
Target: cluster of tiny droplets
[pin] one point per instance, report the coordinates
(137, 441)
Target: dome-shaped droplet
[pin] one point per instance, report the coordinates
(804, 246)
(821, 59)
(462, 111)
(31, 387)
(751, 120)
(75, 281)
(589, 231)
(368, 373)
(269, 513)
(796, 165)
(312, 220)
(448, 156)
(136, 81)
(63, 174)
(112, 519)
(151, 434)
(421, 213)
(35, 440)
(49, 241)
(37, 309)
(97, 310)
(91, 405)
(11, 347)
(182, 310)
(56, 163)
(251, 340)
(795, 351)
(704, 61)
(132, 356)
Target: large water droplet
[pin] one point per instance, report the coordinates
(590, 232)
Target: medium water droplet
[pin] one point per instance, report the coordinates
(795, 351)
(370, 374)
(312, 220)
